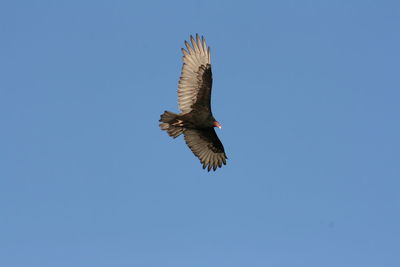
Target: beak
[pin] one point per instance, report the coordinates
(216, 124)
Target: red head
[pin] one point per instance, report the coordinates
(216, 124)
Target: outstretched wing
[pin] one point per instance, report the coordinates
(196, 77)
(206, 145)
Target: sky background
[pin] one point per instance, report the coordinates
(308, 95)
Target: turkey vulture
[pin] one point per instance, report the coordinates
(196, 120)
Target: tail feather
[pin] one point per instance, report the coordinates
(167, 119)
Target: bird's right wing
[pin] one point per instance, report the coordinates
(196, 78)
(206, 145)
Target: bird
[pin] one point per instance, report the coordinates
(195, 120)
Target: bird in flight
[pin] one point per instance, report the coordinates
(196, 121)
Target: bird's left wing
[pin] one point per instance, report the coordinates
(206, 145)
(196, 78)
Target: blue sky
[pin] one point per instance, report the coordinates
(307, 93)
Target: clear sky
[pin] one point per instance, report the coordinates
(308, 95)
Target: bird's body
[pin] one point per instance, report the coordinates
(196, 120)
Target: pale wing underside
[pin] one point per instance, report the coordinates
(194, 57)
(206, 145)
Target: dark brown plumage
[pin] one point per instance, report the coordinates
(196, 120)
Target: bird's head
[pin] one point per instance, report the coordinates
(216, 124)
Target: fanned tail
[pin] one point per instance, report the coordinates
(168, 119)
